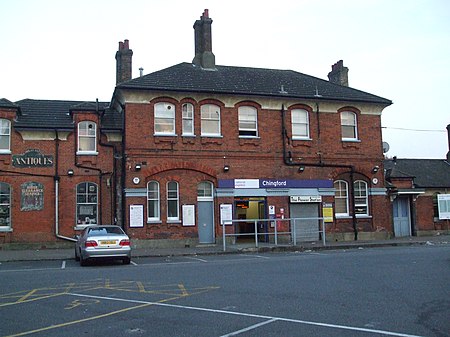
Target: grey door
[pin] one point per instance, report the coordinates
(205, 221)
(402, 222)
(307, 229)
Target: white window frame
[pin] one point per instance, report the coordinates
(300, 119)
(248, 121)
(88, 202)
(202, 188)
(85, 134)
(210, 113)
(5, 133)
(5, 202)
(349, 121)
(164, 119)
(361, 199)
(154, 199)
(188, 119)
(341, 196)
(173, 196)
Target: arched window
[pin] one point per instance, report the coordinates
(164, 119)
(153, 202)
(248, 121)
(188, 119)
(205, 190)
(87, 138)
(173, 202)
(300, 124)
(5, 135)
(210, 123)
(361, 197)
(87, 203)
(349, 127)
(341, 198)
(5, 206)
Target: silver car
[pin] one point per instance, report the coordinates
(103, 242)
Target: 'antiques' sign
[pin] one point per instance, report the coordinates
(32, 158)
(32, 196)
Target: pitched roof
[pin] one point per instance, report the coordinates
(427, 173)
(50, 114)
(4, 103)
(248, 81)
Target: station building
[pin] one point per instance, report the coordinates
(176, 149)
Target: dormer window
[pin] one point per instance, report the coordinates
(5, 136)
(87, 138)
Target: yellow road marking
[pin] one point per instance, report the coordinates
(23, 298)
(31, 300)
(183, 290)
(141, 287)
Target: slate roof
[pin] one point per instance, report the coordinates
(50, 114)
(427, 173)
(4, 103)
(247, 81)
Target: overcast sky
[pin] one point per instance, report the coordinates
(396, 49)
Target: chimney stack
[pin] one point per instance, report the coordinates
(204, 56)
(339, 74)
(123, 62)
(448, 134)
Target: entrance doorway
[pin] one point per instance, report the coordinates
(250, 208)
(205, 204)
(402, 219)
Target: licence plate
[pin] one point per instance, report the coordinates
(108, 242)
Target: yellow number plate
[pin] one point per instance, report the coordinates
(108, 242)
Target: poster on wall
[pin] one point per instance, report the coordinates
(188, 215)
(226, 214)
(136, 216)
(31, 196)
(327, 211)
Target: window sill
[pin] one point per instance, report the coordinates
(5, 152)
(363, 216)
(154, 222)
(87, 153)
(350, 140)
(164, 135)
(6, 230)
(307, 139)
(173, 222)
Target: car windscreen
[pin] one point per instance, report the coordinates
(105, 231)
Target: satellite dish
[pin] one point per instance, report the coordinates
(386, 147)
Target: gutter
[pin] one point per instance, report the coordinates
(287, 159)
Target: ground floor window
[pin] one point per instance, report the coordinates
(153, 201)
(5, 205)
(87, 206)
(172, 201)
(341, 197)
(361, 198)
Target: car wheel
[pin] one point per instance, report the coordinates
(126, 260)
(83, 262)
(77, 258)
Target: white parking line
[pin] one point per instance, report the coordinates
(195, 258)
(63, 266)
(133, 263)
(249, 328)
(268, 318)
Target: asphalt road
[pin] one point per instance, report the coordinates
(395, 291)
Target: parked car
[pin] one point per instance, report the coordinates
(102, 242)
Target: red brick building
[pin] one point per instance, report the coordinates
(176, 146)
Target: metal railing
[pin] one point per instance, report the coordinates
(262, 233)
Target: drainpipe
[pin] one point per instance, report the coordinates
(288, 160)
(56, 178)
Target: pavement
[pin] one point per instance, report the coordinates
(68, 253)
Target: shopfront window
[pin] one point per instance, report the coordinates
(87, 203)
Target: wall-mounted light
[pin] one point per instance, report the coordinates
(301, 169)
(137, 167)
(70, 172)
(375, 169)
(226, 168)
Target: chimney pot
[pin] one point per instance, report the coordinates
(204, 56)
(123, 62)
(448, 135)
(338, 74)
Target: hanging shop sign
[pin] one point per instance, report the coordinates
(32, 196)
(32, 158)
